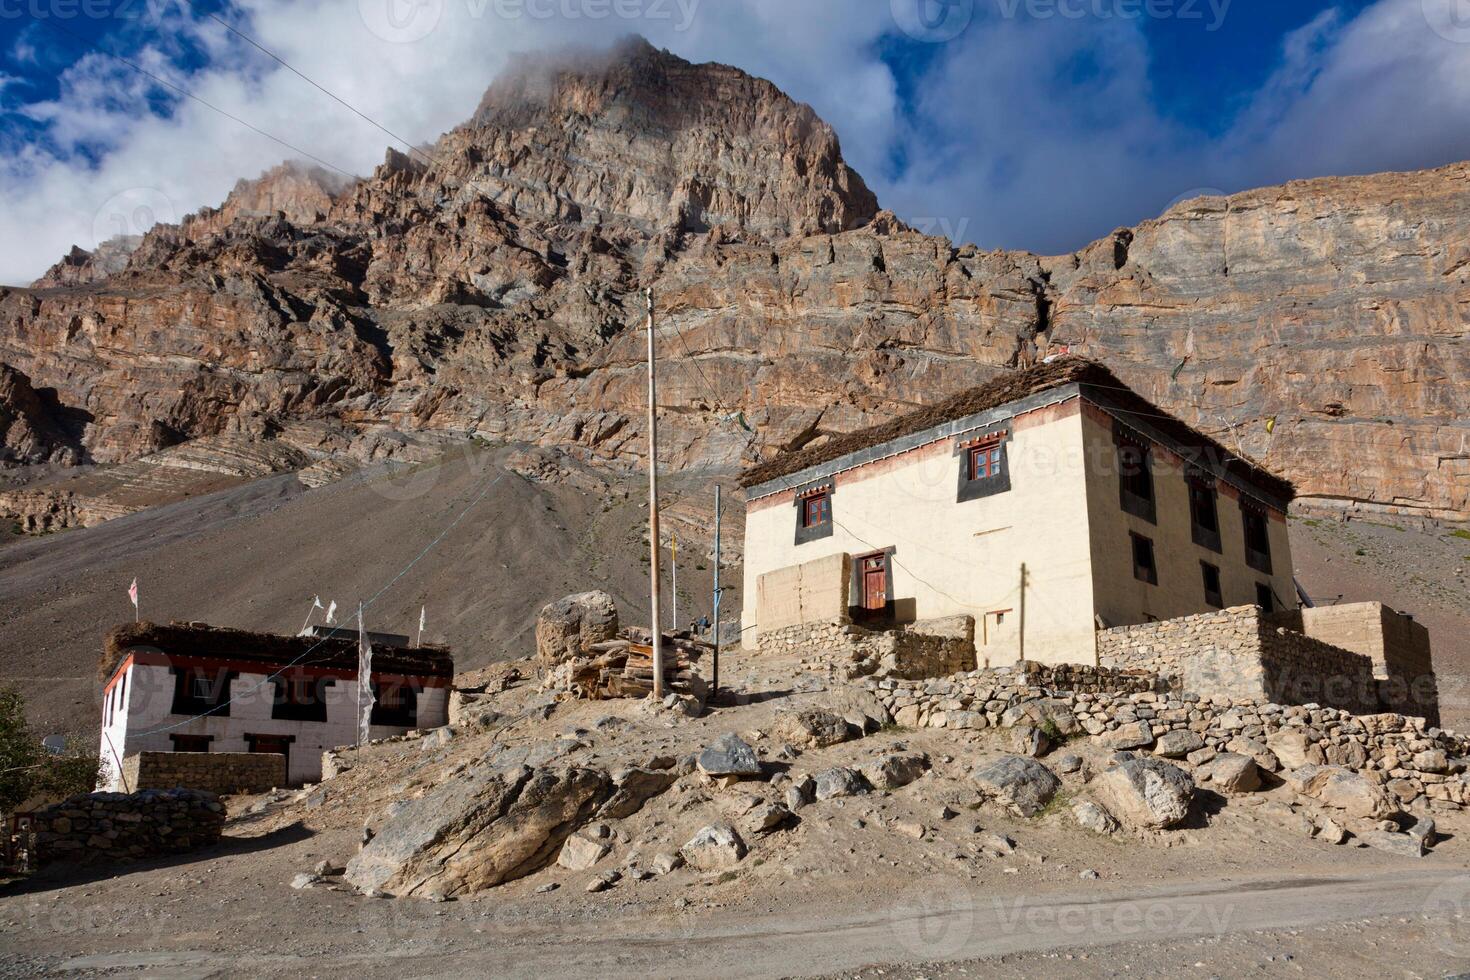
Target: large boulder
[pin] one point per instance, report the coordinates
(567, 627)
(632, 788)
(1294, 749)
(1051, 715)
(839, 781)
(809, 727)
(729, 755)
(1346, 790)
(488, 825)
(859, 708)
(1232, 772)
(1178, 744)
(717, 847)
(1021, 785)
(1145, 793)
(1134, 735)
(1090, 816)
(889, 772)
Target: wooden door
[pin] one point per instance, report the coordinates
(875, 583)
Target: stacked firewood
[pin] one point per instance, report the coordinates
(623, 667)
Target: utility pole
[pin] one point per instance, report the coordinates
(653, 576)
(674, 577)
(1021, 619)
(715, 682)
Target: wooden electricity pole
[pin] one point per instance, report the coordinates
(715, 682)
(653, 545)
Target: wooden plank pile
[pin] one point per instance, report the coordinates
(623, 667)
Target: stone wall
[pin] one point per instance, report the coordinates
(1396, 644)
(1242, 653)
(848, 651)
(102, 827)
(217, 772)
(1411, 758)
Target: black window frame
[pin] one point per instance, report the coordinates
(805, 531)
(1265, 597)
(1151, 570)
(1253, 516)
(300, 697)
(1137, 494)
(404, 715)
(996, 479)
(1214, 595)
(1204, 501)
(188, 702)
(179, 740)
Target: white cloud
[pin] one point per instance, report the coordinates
(1025, 134)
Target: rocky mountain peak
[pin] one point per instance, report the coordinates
(637, 134)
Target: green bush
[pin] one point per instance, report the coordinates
(27, 769)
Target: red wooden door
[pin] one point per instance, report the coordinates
(875, 583)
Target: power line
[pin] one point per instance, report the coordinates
(51, 23)
(313, 82)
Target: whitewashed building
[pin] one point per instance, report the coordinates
(189, 687)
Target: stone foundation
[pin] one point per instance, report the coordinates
(215, 772)
(102, 827)
(1241, 653)
(1415, 761)
(848, 651)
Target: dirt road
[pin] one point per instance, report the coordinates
(929, 922)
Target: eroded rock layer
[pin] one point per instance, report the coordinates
(491, 285)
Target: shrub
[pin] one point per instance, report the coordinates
(27, 769)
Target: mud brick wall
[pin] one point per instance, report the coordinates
(1242, 653)
(104, 827)
(216, 772)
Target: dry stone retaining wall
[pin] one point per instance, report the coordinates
(101, 827)
(1411, 758)
(215, 772)
(1241, 653)
(850, 651)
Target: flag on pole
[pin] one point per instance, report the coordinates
(332, 613)
(365, 699)
(133, 595)
(423, 612)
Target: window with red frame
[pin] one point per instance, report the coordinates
(985, 462)
(816, 510)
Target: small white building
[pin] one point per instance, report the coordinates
(189, 687)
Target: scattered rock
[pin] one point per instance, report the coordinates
(811, 727)
(1258, 751)
(634, 787)
(1090, 816)
(1178, 744)
(664, 863)
(1068, 764)
(1235, 773)
(305, 881)
(550, 886)
(1027, 740)
(1423, 829)
(1331, 832)
(1146, 793)
(896, 769)
(1402, 844)
(839, 781)
(1345, 790)
(1023, 786)
(1088, 875)
(800, 793)
(714, 848)
(1294, 749)
(1134, 735)
(730, 755)
(326, 869)
(910, 828)
(580, 853)
(766, 818)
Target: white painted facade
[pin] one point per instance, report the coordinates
(138, 714)
(1040, 564)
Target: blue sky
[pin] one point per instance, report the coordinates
(1038, 124)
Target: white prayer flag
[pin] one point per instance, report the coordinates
(365, 699)
(133, 595)
(332, 613)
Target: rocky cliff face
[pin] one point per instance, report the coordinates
(491, 284)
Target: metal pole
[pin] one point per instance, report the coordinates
(715, 682)
(674, 578)
(1021, 630)
(653, 544)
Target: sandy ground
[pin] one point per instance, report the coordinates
(850, 886)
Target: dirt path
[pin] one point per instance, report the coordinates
(929, 922)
